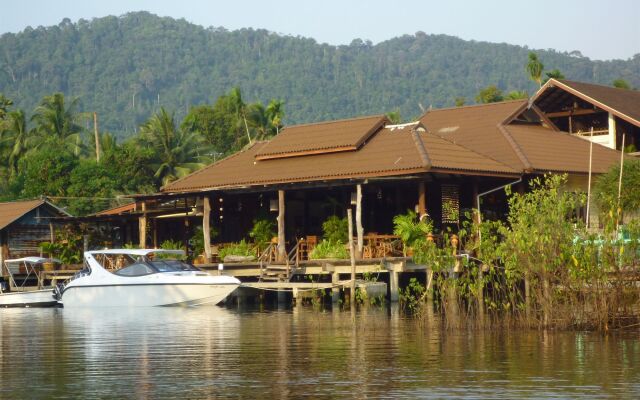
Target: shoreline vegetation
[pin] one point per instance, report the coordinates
(542, 268)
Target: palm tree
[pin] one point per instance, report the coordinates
(4, 106)
(17, 138)
(240, 110)
(55, 121)
(177, 152)
(275, 113)
(535, 68)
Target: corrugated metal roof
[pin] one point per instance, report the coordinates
(476, 127)
(323, 137)
(387, 153)
(11, 211)
(551, 151)
(524, 147)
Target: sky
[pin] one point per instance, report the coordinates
(599, 29)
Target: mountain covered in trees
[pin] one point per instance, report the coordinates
(125, 68)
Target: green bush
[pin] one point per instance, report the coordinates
(335, 229)
(242, 248)
(410, 228)
(198, 239)
(263, 231)
(329, 249)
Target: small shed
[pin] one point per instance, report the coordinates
(24, 225)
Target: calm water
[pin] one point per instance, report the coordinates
(214, 352)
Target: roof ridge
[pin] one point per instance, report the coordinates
(516, 147)
(230, 156)
(380, 116)
(422, 150)
(473, 106)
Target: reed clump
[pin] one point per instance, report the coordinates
(541, 268)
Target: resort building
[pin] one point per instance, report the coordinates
(600, 113)
(443, 166)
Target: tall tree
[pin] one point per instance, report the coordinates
(4, 106)
(275, 113)
(16, 139)
(534, 68)
(59, 122)
(177, 153)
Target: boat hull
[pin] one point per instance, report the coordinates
(35, 298)
(146, 295)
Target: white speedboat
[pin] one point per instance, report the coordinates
(142, 277)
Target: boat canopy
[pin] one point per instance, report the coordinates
(136, 252)
(33, 260)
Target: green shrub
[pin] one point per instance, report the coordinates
(410, 228)
(329, 249)
(242, 248)
(335, 229)
(198, 239)
(263, 231)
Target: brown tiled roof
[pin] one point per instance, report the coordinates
(125, 208)
(11, 211)
(621, 102)
(525, 147)
(324, 137)
(552, 151)
(476, 127)
(388, 152)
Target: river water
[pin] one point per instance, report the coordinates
(216, 352)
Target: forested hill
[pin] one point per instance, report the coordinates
(112, 62)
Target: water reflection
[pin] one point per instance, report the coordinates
(213, 352)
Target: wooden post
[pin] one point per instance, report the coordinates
(282, 250)
(422, 199)
(359, 228)
(155, 232)
(52, 236)
(95, 131)
(206, 228)
(352, 295)
(335, 290)
(142, 226)
(474, 202)
(394, 286)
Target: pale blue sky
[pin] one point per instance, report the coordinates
(599, 29)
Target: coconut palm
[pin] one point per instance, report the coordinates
(59, 122)
(275, 114)
(535, 68)
(4, 106)
(16, 137)
(177, 152)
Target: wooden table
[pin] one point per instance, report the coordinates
(378, 246)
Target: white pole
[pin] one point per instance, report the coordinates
(589, 182)
(618, 211)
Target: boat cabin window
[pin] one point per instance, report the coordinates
(137, 269)
(172, 266)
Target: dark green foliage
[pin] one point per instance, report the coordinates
(606, 188)
(335, 229)
(90, 179)
(490, 94)
(554, 73)
(108, 61)
(263, 231)
(45, 172)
